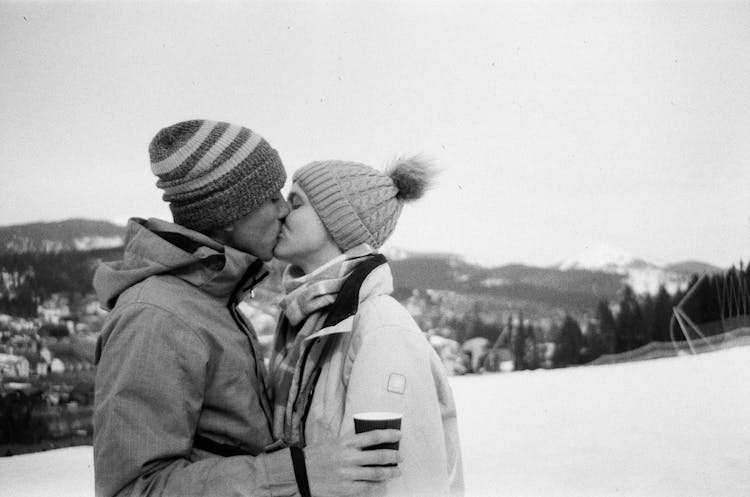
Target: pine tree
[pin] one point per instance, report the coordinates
(662, 315)
(593, 342)
(472, 322)
(518, 344)
(531, 348)
(648, 309)
(629, 322)
(569, 343)
(607, 326)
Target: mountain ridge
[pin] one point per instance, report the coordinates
(57, 233)
(514, 285)
(77, 234)
(642, 275)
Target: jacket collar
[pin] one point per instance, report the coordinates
(156, 247)
(370, 278)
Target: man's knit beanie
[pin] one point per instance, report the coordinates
(214, 173)
(359, 204)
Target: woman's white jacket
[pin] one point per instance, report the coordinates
(381, 361)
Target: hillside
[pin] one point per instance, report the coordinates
(692, 267)
(26, 279)
(71, 234)
(641, 275)
(575, 290)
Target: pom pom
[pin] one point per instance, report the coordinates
(413, 176)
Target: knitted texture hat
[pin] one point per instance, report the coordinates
(213, 173)
(358, 203)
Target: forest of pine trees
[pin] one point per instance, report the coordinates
(30, 278)
(713, 303)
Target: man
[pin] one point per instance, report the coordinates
(181, 404)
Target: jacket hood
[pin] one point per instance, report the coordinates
(156, 247)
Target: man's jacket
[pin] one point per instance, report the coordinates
(180, 381)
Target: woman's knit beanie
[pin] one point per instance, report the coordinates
(214, 173)
(359, 204)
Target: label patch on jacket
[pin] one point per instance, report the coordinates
(397, 383)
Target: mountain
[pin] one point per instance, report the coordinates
(601, 257)
(537, 291)
(71, 234)
(576, 285)
(692, 267)
(55, 255)
(643, 276)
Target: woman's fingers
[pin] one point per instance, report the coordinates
(375, 437)
(376, 457)
(374, 473)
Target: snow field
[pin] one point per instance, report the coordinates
(667, 427)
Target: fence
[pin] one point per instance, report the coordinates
(656, 350)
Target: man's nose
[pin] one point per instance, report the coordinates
(283, 208)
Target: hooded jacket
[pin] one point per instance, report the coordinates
(178, 376)
(371, 356)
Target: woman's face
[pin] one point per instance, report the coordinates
(304, 240)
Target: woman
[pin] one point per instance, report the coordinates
(343, 344)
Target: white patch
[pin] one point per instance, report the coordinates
(397, 383)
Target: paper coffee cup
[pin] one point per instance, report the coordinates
(368, 421)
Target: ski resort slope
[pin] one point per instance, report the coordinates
(667, 427)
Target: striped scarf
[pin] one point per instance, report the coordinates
(304, 309)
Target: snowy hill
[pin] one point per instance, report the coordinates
(666, 427)
(601, 257)
(71, 234)
(643, 276)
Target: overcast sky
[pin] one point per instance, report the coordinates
(557, 125)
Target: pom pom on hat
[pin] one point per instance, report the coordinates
(359, 204)
(412, 176)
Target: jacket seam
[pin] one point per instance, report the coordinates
(166, 311)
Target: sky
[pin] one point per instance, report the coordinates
(557, 125)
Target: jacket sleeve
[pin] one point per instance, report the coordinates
(149, 391)
(391, 371)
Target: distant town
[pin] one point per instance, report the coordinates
(47, 376)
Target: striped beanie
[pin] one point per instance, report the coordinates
(359, 204)
(213, 173)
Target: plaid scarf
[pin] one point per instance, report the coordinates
(304, 310)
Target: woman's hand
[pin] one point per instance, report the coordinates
(338, 467)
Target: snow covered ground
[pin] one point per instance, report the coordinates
(668, 427)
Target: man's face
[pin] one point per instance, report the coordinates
(258, 232)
